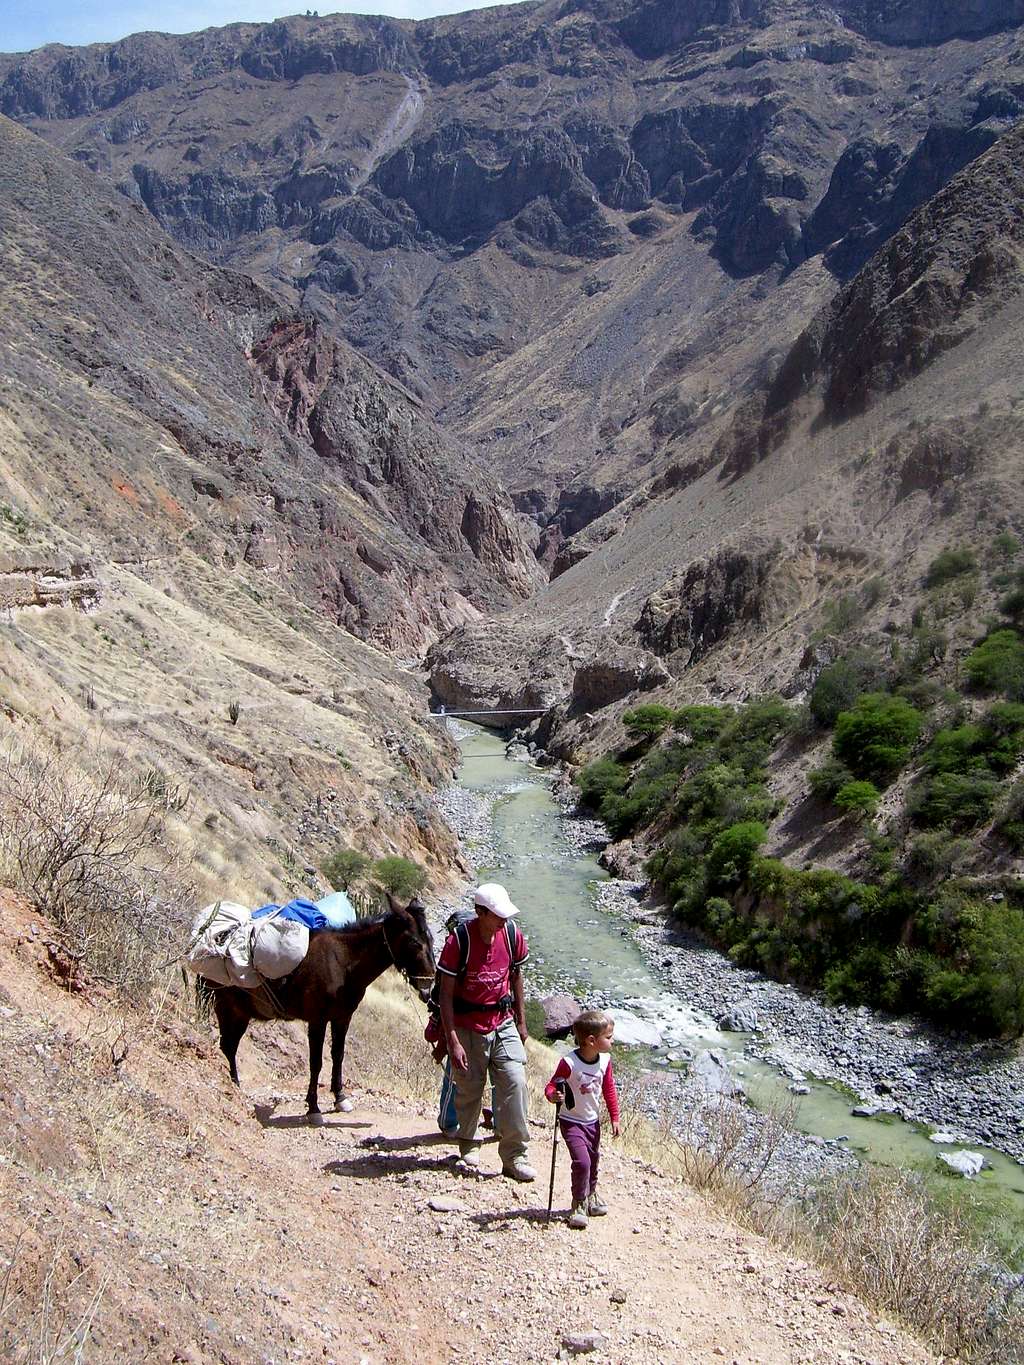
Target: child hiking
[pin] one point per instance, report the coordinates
(581, 1079)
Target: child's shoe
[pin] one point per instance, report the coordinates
(596, 1206)
(578, 1217)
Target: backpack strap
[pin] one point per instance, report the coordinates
(462, 935)
(512, 939)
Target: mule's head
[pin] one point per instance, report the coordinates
(411, 944)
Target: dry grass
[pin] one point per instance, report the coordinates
(883, 1234)
(87, 841)
(878, 1232)
(47, 1304)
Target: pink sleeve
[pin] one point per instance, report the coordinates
(611, 1095)
(562, 1073)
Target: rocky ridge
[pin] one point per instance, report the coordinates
(888, 432)
(192, 582)
(562, 223)
(145, 313)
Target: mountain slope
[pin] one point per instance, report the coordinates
(204, 501)
(564, 224)
(891, 430)
(202, 1222)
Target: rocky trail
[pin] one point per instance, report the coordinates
(151, 1212)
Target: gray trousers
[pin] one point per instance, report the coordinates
(501, 1055)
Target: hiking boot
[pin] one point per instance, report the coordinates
(596, 1206)
(578, 1217)
(520, 1170)
(450, 1132)
(469, 1160)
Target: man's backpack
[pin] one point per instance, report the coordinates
(433, 1032)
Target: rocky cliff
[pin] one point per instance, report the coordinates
(269, 442)
(211, 512)
(888, 433)
(572, 226)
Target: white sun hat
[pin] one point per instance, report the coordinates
(493, 896)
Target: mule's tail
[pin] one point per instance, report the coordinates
(202, 994)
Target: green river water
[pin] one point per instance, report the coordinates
(572, 939)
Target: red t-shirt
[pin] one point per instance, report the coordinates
(487, 977)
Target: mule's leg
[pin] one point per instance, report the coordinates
(317, 1032)
(232, 1024)
(339, 1031)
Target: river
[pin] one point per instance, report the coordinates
(575, 945)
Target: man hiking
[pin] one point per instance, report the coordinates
(483, 1017)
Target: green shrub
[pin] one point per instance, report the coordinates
(930, 645)
(649, 721)
(1009, 817)
(871, 973)
(599, 779)
(993, 937)
(401, 876)
(954, 801)
(875, 738)
(948, 565)
(344, 867)
(956, 751)
(840, 684)
(733, 851)
(933, 856)
(765, 719)
(1005, 547)
(624, 812)
(703, 724)
(995, 742)
(829, 778)
(873, 591)
(922, 692)
(1012, 604)
(858, 798)
(997, 664)
(840, 614)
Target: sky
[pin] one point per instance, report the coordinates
(25, 24)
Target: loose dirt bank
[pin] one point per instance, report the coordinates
(151, 1212)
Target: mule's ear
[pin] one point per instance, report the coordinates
(393, 904)
(417, 906)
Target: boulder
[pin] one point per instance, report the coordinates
(615, 675)
(634, 1031)
(712, 1071)
(559, 1013)
(967, 1164)
(740, 1018)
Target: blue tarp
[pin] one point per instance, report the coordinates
(333, 911)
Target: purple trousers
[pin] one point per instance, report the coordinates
(583, 1141)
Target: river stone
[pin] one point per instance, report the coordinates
(864, 1111)
(582, 1343)
(445, 1204)
(943, 1137)
(634, 1031)
(967, 1164)
(712, 1071)
(739, 1019)
(559, 1013)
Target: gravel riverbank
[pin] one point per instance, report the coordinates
(899, 1065)
(972, 1089)
(672, 1096)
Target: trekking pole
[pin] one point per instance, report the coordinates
(554, 1153)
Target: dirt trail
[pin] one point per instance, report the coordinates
(212, 1225)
